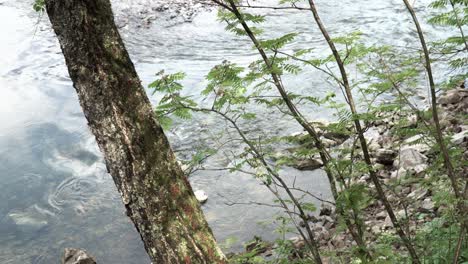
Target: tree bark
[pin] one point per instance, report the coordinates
(156, 194)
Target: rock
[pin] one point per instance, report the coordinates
(448, 117)
(77, 256)
(258, 245)
(327, 221)
(312, 218)
(324, 235)
(339, 241)
(308, 164)
(452, 97)
(299, 136)
(418, 194)
(388, 222)
(320, 232)
(328, 142)
(376, 229)
(411, 159)
(336, 136)
(372, 135)
(373, 146)
(297, 242)
(320, 124)
(387, 141)
(416, 143)
(385, 156)
(379, 167)
(459, 138)
(381, 215)
(462, 106)
(401, 214)
(326, 209)
(201, 196)
(364, 178)
(427, 205)
(412, 121)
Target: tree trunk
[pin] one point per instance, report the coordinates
(156, 194)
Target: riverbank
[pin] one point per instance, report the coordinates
(404, 166)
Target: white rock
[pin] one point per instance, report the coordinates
(376, 229)
(418, 194)
(388, 222)
(372, 135)
(299, 134)
(201, 196)
(427, 204)
(381, 215)
(459, 138)
(421, 147)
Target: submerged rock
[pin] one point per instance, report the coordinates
(77, 256)
(308, 164)
(28, 221)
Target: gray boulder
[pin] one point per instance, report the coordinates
(77, 256)
(410, 159)
(27, 221)
(453, 96)
(308, 164)
(385, 156)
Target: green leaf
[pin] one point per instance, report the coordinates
(39, 6)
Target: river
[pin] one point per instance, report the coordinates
(55, 191)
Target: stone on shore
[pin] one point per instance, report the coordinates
(410, 159)
(418, 142)
(453, 96)
(385, 156)
(459, 138)
(326, 209)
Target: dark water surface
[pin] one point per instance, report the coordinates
(55, 191)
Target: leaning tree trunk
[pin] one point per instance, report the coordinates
(156, 194)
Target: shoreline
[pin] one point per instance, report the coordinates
(399, 161)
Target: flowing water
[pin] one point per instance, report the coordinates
(55, 191)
